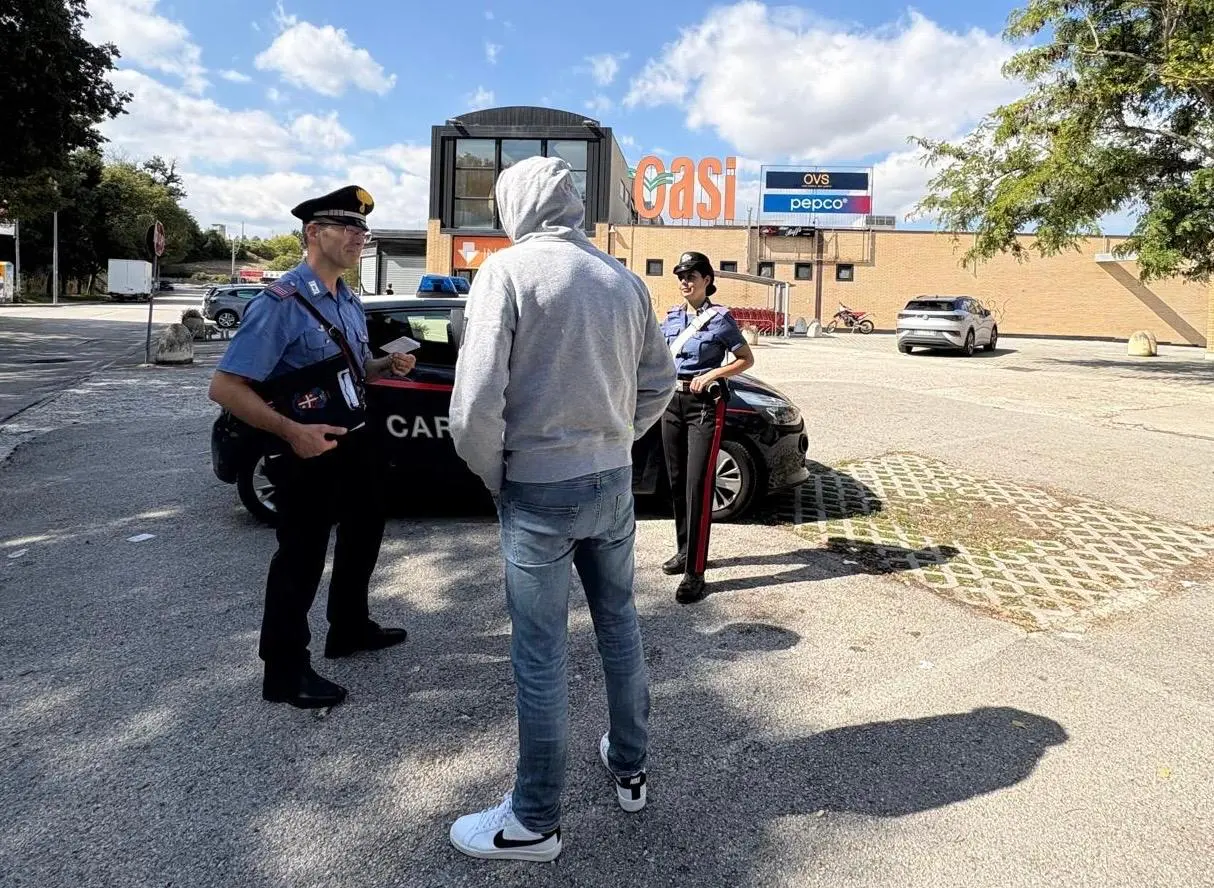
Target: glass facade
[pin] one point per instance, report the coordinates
(478, 163)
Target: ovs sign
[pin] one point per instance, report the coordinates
(652, 182)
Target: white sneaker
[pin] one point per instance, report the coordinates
(496, 834)
(630, 791)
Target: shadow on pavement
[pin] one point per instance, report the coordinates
(132, 716)
(1194, 371)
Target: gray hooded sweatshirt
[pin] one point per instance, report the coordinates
(562, 364)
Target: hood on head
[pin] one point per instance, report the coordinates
(537, 196)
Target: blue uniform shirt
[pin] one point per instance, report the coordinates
(277, 334)
(705, 349)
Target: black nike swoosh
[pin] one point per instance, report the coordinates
(500, 840)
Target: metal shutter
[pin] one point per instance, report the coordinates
(404, 273)
(367, 266)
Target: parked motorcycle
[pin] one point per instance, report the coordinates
(851, 319)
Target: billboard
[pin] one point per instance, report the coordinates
(850, 204)
(804, 196)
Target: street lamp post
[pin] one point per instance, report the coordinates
(55, 261)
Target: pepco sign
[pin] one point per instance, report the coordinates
(652, 181)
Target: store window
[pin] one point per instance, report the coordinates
(478, 163)
(653, 267)
(475, 161)
(845, 272)
(803, 271)
(729, 266)
(767, 269)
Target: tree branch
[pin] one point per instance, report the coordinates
(1204, 149)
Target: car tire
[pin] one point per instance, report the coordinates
(905, 349)
(990, 346)
(227, 319)
(968, 348)
(736, 483)
(257, 492)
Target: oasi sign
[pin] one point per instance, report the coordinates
(654, 187)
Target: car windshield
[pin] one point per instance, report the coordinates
(930, 305)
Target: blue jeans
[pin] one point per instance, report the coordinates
(588, 523)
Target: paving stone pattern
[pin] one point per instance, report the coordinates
(1072, 562)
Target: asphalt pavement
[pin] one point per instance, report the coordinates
(814, 722)
(46, 348)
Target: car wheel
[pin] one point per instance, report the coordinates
(968, 348)
(736, 482)
(257, 492)
(905, 349)
(866, 326)
(227, 319)
(990, 346)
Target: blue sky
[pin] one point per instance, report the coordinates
(264, 102)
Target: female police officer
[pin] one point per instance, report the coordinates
(699, 334)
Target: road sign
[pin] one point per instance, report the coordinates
(154, 240)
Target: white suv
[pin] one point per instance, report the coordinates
(957, 323)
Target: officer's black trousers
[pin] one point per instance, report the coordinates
(342, 487)
(691, 436)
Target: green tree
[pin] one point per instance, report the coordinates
(131, 200)
(285, 262)
(56, 91)
(282, 245)
(1119, 116)
(165, 173)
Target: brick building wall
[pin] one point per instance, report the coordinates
(1066, 295)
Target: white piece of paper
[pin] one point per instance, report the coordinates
(140, 538)
(402, 346)
(17, 554)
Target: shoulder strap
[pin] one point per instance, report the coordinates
(696, 325)
(336, 335)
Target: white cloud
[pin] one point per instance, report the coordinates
(781, 83)
(603, 68)
(599, 104)
(146, 40)
(334, 63)
(165, 121)
(482, 98)
(489, 15)
(627, 141)
(273, 95)
(491, 52)
(398, 177)
(321, 132)
(235, 76)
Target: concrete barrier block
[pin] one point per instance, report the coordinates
(1142, 344)
(175, 345)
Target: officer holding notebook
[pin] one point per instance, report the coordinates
(297, 370)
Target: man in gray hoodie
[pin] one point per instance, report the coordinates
(562, 368)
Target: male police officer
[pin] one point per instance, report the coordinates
(306, 336)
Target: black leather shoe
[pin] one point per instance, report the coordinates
(675, 565)
(373, 637)
(305, 690)
(692, 589)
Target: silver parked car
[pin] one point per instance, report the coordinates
(226, 305)
(957, 323)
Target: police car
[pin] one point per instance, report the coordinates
(763, 447)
